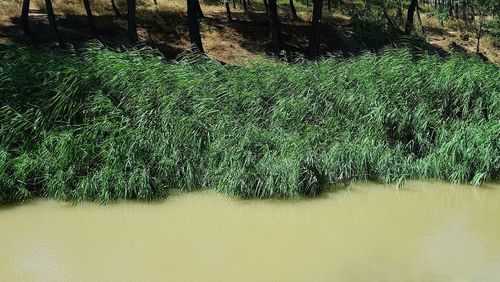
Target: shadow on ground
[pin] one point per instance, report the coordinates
(247, 36)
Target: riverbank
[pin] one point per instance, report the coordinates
(104, 124)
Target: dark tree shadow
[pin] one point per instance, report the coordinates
(167, 31)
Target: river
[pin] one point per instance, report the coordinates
(425, 231)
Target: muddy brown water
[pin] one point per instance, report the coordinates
(422, 232)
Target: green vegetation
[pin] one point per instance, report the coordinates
(104, 124)
(495, 31)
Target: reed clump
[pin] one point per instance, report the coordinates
(107, 124)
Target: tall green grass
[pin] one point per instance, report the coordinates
(111, 124)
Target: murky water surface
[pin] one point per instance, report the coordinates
(423, 232)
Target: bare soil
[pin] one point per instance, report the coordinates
(246, 37)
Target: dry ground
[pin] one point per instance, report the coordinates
(246, 37)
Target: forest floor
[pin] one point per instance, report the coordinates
(246, 37)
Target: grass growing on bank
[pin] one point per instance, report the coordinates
(105, 124)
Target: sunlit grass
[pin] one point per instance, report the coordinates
(105, 124)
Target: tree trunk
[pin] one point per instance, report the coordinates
(228, 10)
(90, 17)
(194, 26)
(198, 10)
(315, 28)
(399, 13)
(155, 2)
(409, 18)
(389, 21)
(245, 8)
(450, 8)
(330, 5)
(52, 22)
(399, 16)
(234, 4)
(464, 11)
(420, 25)
(472, 13)
(132, 25)
(479, 31)
(294, 11)
(266, 5)
(115, 9)
(275, 25)
(24, 17)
